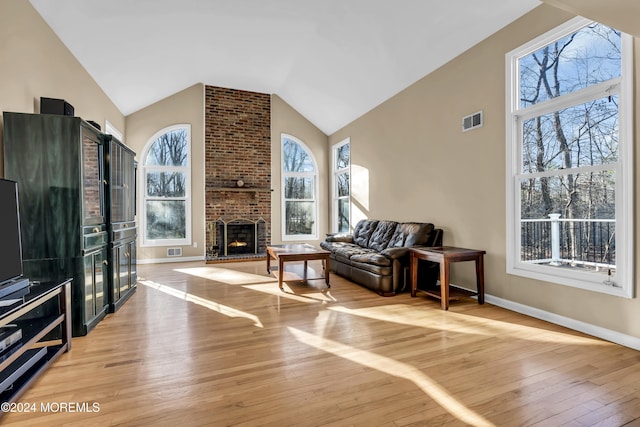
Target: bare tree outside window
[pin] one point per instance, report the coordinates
(570, 151)
(299, 189)
(342, 190)
(166, 179)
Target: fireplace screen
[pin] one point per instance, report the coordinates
(236, 238)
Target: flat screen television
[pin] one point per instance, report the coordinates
(10, 242)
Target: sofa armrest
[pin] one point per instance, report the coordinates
(395, 253)
(436, 238)
(339, 237)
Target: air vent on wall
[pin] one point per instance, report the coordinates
(174, 251)
(472, 121)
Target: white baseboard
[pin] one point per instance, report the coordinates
(567, 322)
(576, 325)
(172, 259)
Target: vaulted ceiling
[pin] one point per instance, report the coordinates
(331, 60)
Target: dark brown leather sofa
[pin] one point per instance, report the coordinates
(376, 255)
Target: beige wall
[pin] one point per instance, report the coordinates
(185, 107)
(34, 63)
(417, 164)
(285, 119)
(620, 14)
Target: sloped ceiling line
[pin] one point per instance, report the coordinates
(331, 60)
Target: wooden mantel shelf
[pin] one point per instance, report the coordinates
(254, 189)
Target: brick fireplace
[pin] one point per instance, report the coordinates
(237, 173)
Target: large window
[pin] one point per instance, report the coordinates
(569, 154)
(166, 218)
(341, 186)
(299, 191)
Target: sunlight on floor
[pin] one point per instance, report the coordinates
(398, 369)
(458, 322)
(211, 305)
(323, 296)
(224, 275)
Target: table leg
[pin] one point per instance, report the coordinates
(325, 267)
(480, 278)
(280, 273)
(413, 266)
(305, 268)
(444, 284)
(268, 263)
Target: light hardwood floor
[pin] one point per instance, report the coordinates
(220, 344)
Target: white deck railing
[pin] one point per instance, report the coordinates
(595, 248)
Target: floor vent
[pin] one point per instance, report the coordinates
(174, 251)
(472, 121)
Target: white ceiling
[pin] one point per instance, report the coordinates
(331, 60)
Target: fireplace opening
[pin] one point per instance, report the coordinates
(240, 238)
(236, 239)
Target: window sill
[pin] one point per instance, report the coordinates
(585, 281)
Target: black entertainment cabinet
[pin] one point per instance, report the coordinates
(72, 216)
(43, 316)
(120, 174)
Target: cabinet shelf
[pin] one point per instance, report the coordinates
(27, 359)
(33, 331)
(31, 375)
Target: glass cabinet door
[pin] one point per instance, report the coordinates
(94, 283)
(116, 184)
(125, 269)
(122, 185)
(128, 160)
(100, 259)
(93, 206)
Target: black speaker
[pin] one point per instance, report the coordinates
(56, 106)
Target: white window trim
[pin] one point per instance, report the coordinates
(112, 130)
(623, 169)
(144, 242)
(314, 174)
(334, 183)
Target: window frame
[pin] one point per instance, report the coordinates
(284, 175)
(335, 210)
(186, 241)
(515, 116)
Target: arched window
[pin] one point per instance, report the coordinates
(166, 172)
(299, 191)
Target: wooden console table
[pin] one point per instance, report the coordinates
(445, 255)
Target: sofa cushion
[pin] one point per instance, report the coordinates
(371, 258)
(411, 234)
(347, 250)
(382, 235)
(329, 246)
(363, 230)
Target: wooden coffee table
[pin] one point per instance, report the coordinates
(297, 252)
(445, 255)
